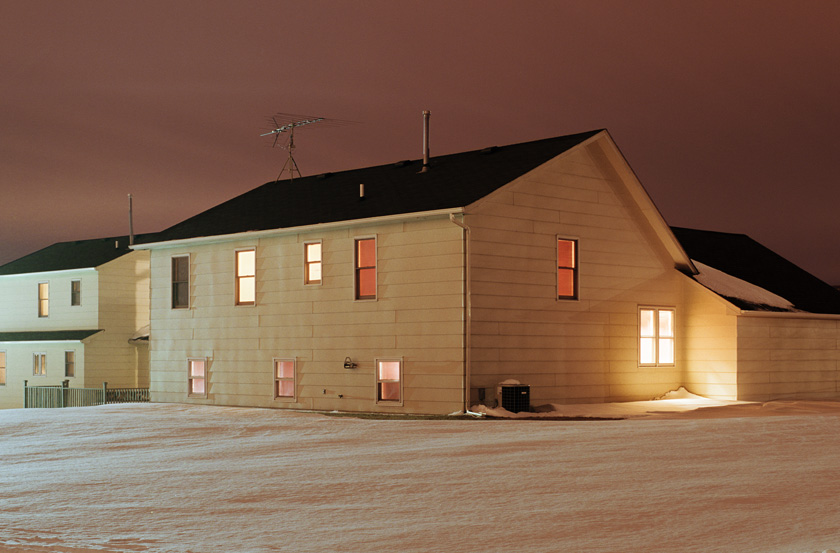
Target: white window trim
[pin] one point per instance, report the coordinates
(376, 362)
(306, 264)
(190, 378)
(43, 366)
(293, 397)
(375, 267)
(172, 281)
(80, 292)
(576, 269)
(65, 363)
(236, 277)
(656, 309)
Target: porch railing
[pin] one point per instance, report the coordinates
(65, 396)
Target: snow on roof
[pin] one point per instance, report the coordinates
(729, 286)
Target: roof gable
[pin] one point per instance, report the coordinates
(452, 181)
(64, 256)
(741, 257)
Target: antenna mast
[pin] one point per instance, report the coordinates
(286, 123)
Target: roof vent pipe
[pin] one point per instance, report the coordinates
(426, 114)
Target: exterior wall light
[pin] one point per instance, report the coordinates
(348, 364)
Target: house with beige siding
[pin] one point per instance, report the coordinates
(74, 311)
(542, 267)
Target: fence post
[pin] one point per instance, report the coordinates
(25, 394)
(104, 393)
(64, 385)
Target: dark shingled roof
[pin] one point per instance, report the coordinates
(740, 256)
(47, 335)
(452, 181)
(78, 254)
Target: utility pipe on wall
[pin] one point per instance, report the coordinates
(467, 312)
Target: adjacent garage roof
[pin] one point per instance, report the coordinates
(741, 257)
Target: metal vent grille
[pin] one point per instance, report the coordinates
(516, 398)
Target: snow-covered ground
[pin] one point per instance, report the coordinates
(673, 478)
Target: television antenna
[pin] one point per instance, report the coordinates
(285, 124)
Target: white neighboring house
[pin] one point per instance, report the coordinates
(76, 311)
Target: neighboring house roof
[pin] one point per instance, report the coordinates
(79, 254)
(744, 259)
(47, 335)
(452, 181)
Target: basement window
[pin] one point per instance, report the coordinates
(567, 269)
(656, 337)
(246, 277)
(389, 381)
(197, 377)
(365, 268)
(284, 379)
(312, 263)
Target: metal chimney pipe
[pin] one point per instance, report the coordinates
(426, 114)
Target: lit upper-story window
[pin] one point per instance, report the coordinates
(43, 299)
(246, 277)
(312, 263)
(567, 269)
(656, 336)
(366, 269)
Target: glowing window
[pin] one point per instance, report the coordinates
(43, 299)
(246, 277)
(312, 263)
(388, 380)
(567, 276)
(39, 364)
(656, 336)
(197, 377)
(366, 269)
(70, 363)
(2, 368)
(284, 378)
(75, 292)
(181, 282)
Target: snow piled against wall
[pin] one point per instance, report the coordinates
(175, 478)
(732, 287)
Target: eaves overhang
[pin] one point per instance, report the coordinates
(256, 234)
(45, 274)
(55, 336)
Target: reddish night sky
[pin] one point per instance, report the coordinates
(727, 111)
